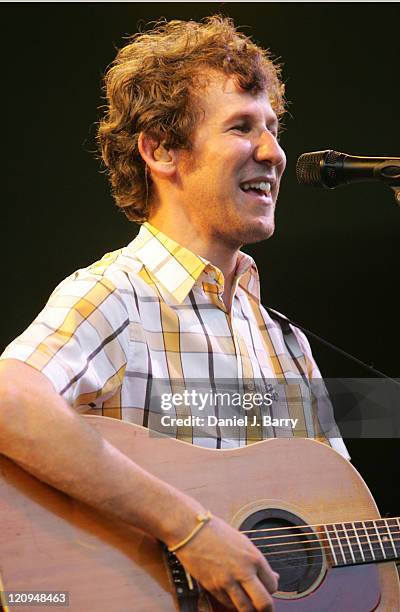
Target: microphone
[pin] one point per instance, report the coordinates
(332, 169)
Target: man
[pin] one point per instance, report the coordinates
(190, 139)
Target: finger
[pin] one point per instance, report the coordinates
(259, 597)
(268, 577)
(240, 599)
(222, 598)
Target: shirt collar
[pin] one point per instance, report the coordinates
(177, 268)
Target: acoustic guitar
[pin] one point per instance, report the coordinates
(303, 505)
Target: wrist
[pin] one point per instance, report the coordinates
(202, 519)
(177, 518)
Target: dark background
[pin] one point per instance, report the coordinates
(333, 262)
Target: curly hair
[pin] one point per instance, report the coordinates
(151, 86)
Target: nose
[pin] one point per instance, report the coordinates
(269, 150)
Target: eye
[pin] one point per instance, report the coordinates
(273, 129)
(242, 127)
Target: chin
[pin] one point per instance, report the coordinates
(258, 231)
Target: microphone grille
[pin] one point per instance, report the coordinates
(308, 168)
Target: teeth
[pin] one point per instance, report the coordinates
(262, 186)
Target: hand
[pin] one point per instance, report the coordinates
(230, 567)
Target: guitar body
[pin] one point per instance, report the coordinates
(49, 542)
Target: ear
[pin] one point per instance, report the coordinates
(161, 161)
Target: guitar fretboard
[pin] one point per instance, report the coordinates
(363, 541)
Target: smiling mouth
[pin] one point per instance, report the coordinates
(257, 192)
(262, 188)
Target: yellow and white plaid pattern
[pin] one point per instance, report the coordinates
(153, 311)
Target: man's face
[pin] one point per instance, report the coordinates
(230, 179)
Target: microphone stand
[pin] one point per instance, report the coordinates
(282, 319)
(340, 393)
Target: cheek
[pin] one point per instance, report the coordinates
(236, 151)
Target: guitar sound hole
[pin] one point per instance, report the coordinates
(292, 549)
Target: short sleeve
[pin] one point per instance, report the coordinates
(80, 340)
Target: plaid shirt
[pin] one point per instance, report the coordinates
(150, 316)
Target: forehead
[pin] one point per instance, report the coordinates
(222, 98)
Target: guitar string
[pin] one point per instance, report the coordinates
(306, 561)
(327, 539)
(374, 546)
(322, 546)
(302, 562)
(397, 518)
(346, 555)
(348, 560)
(331, 534)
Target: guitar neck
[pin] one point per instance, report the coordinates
(362, 541)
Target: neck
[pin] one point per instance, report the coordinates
(363, 541)
(202, 243)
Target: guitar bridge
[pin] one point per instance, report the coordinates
(186, 588)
